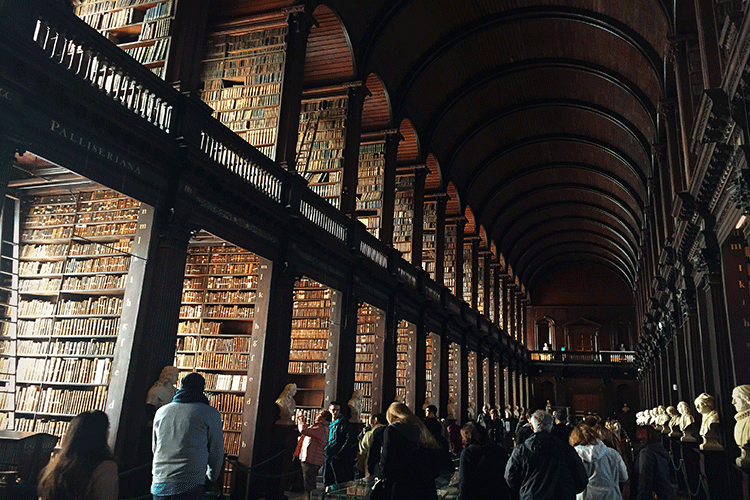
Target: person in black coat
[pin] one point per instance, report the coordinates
(341, 450)
(544, 467)
(481, 459)
(409, 460)
(650, 468)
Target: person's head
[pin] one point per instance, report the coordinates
(646, 434)
(606, 436)
(335, 408)
(591, 420)
(430, 411)
(473, 433)
(561, 415)
(494, 414)
(541, 421)
(323, 416)
(704, 403)
(82, 449)
(741, 397)
(582, 435)
(400, 413)
(193, 382)
(486, 409)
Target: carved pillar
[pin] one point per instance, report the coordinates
(708, 40)
(443, 374)
(685, 103)
(417, 243)
(299, 23)
(342, 345)
(356, 93)
(392, 138)
(384, 359)
(418, 372)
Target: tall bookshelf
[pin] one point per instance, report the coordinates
(428, 365)
(403, 341)
(429, 238)
(311, 321)
(449, 278)
(370, 185)
(242, 75)
(480, 286)
(454, 381)
(403, 215)
(73, 261)
(9, 268)
(142, 28)
(215, 326)
(468, 276)
(367, 324)
(471, 370)
(490, 309)
(320, 145)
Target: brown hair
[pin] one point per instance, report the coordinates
(582, 435)
(83, 448)
(471, 433)
(399, 412)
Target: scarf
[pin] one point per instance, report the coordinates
(189, 396)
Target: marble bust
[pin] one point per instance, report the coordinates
(674, 422)
(163, 390)
(662, 419)
(287, 405)
(639, 418)
(355, 406)
(710, 423)
(741, 402)
(452, 409)
(687, 422)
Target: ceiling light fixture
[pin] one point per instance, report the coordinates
(740, 222)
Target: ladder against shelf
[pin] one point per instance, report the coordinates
(241, 79)
(308, 349)
(320, 145)
(215, 326)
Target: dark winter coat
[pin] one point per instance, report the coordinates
(544, 467)
(478, 477)
(406, 467)
(340, 452)
(651, 473)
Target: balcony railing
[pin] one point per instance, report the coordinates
(583, 357)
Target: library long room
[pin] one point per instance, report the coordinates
(430, 203)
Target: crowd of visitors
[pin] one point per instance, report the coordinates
(525, 457)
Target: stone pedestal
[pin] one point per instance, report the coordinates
(714, 466)
(676, 448)
(263, 481)
(691, 459)
(740, 477)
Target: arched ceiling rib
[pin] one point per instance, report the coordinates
(540, 114)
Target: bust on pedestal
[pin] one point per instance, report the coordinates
(163, 390)
(687, 423)
(710, 423)
(452, 409)
(662, 419)
(674, 422)
(355, 406)
(741, 402)
(287, 405)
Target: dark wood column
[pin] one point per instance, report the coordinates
(442, 202)
(477, 392)
(417, 383)
(383, 362)
(392, 138)
(154, 336)
(685, 103)
(686, 295)
(463, 378)
(184, 59)
(299, 23)
(443, 369)
(708, 39)
(491, 390)
(417, 243)
(734, 266)
(356, 97)
(671, 369)
(8, 150)
(342, 344)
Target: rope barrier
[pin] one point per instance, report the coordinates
(701, 479)
(134, 469)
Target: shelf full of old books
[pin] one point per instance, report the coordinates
(215, 326)
(431, 345)
(66, 266)
(429, 237)
(403, 215)
(467, 267)
(242, 76)
(320, 144)
(403, 348)
(454, 374)
(370, 185)
(451, 240)
(369, 327)
(480, 286)
(142, 28)
(472, 381)
(308, 351)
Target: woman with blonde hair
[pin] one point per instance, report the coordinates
(83, 468)
(407, 467)
(604, 465)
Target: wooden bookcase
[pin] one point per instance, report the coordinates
(367, 324)
(403, 215)
(142, 28)
(242, 75)
(454, 380)
(471, 371)
(480, 286)
(216, 319)
(468, 281)
(449, 278)
(428, 365)
(370, 185)
(490, 308)
(403, 341)
(320, 145)
(429, 238)
(308, 351)
(69, 257)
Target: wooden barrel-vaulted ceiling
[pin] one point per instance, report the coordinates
(540, 113)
